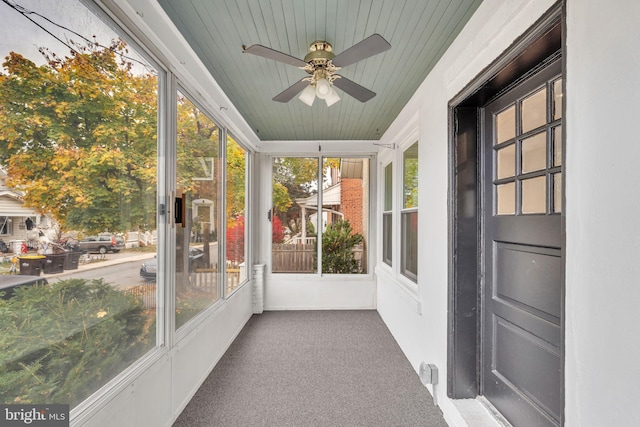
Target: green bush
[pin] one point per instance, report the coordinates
(338, 243)
(61, 342)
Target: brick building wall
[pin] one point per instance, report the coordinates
(351, 203)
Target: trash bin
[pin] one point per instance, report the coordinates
(71, 260)
(54, 263)
(31, 265)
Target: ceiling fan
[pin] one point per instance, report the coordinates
(322, 64)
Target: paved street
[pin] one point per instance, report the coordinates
(119, 269)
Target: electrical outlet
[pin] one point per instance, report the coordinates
(428, 373)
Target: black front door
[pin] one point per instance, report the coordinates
(522, 263)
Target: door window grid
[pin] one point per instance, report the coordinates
(528, 153)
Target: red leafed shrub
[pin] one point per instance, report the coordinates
(235, 237)
(235, 240)
(277, 230)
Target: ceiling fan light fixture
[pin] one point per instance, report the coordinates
(323, 88)
(332, 98)
(308, 95)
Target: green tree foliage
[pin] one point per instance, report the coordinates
(293, 178)
(78, 136)
(338, 243)
(236, 179)
(410, 195)
(198, 150)
(61, 342)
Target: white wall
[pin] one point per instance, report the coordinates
(603, 213)
(602, 203)
(420, 326)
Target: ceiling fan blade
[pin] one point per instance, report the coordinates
(360, 93)
(288, 94)
(370, 46)
(269, 53)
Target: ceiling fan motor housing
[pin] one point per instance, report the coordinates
(320, 53)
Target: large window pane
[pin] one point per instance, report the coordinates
(387, 234)
(388, 187)
(409, 215)
(345, 219)
(198, 172)
(294, 215)
(236, 180)
(387, 216)
(409, 265)
(78, 121)
(410, 174)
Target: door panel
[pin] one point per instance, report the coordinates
(523, 265)
(528, 275)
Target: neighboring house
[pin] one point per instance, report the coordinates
(17, 222)
(342, 200)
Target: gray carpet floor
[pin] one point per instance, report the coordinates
(313, 368)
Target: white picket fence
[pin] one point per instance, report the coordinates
(135, 239)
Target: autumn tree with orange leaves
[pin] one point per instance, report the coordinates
(78, 136)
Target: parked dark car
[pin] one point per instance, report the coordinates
(101, 244)
(149, 269)
(8, 283)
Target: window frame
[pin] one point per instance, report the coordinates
(407, 212)
(397, 146)
(247, 212)
(371, 213)
(6, 225)
(179, 332)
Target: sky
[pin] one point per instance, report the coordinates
(19, 35)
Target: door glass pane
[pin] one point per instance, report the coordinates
(236, 171)
(534, 110)
(388, 187)
(198, 172)
(557, 99)
(534, 195)
(79, 142)
(506, 199)
(294, 215)
(506, 162)
(344, 215)
(557, 146)
(557, 192)
(534, 153)
(505, 125)
(410, 177)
